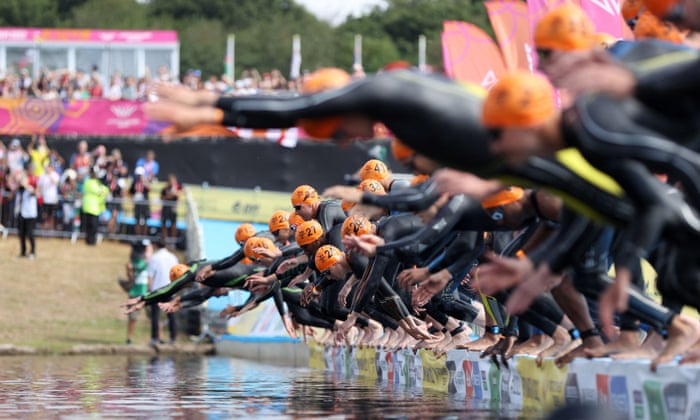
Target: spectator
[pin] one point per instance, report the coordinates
(114, 92)
(16, 156)
(164, 74)
(48, 190)
(27, 211)
(158, 276)
(94, 202)
(69, 193)
(4, 193)
(116, 182)
(81, 160)
(56, 161)
(137, 278)
(25, 82)
(150, 166)
(95, 86)
(168, 213)
(130, 91)
(100, 160)
(38, 155)
(139, 190)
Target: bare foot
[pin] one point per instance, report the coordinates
(395, 339)
(649, 349)
(459, 339)
(562, 341)
(682, 334)
(692, 356)
(534, 345)
(383, 340)
(486, 341)
(627, 341)
(565, 358)
(429, 343)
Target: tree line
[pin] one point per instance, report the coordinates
(263, 28)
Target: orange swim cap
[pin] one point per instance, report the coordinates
(419, 179)
(304, 194)
(660, 8)
(178, 270)
(319, 81)
(374, 169)
(519, 99)
(244, 231)
(309, 232)
(372, 186)
(564, 28)
(649, 26)
(279, 220)
(401, 151)
(294, 219)
(630, 9)
(257, 242)
(503, 197)
(356, 225)
(326, 257)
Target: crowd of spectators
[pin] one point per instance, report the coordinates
(64, 84)
(62, 197)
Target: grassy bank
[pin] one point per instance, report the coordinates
(68, 295)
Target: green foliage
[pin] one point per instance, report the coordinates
(28, 13)
(109, 14)
(263, 28)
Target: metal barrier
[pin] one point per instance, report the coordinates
(117, 222)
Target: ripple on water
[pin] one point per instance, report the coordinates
(199, 387)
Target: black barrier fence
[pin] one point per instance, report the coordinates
(241, 163)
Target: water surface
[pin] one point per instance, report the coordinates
(197, 387)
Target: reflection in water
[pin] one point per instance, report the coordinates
(195, 387)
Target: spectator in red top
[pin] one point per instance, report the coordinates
(168, 216)
(81, 160)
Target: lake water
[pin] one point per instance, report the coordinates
(196, 387)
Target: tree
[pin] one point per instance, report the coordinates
(28, 13)
(110, 14)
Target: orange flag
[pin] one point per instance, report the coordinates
(510, 22)
(470, 55)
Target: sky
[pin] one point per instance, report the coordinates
(335, 11)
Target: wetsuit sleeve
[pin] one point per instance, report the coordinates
(460, 253)
(166, 292)
(290, 250)
(358, 264)
(674, 85)
(433, 115)
(322, 283)
(445, 220)
(289, 275)
(640, 235)
(330, 214)
(390, 301)
(229, 261)
(404, 200)
(568, 244)
(278, 299)
(197, 297)
(233, 277)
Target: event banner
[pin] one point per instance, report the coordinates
(509, 20)
(71, 117)
(103, 117)
(627, 386)
(461, 42)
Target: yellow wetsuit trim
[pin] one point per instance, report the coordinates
(572, 159)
